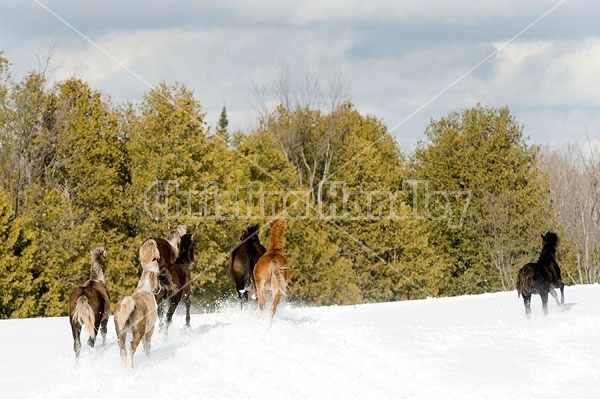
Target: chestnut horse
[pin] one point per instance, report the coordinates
(179, 277)
(137, 313)
(542, 276)
(243, 258)
(272, 270)
(89, 304)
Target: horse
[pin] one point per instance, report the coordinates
(272, 270)
(179, 275)
(89, 304)
(542, 276)
(137, 313)
(165, 251)
(243, 258)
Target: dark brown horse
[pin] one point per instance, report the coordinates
(178, 275)
(542, 276)
(272, 270)
(165, 251)
(243, 258)
(89, 304)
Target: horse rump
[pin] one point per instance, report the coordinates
(123, 311)
(525, 280)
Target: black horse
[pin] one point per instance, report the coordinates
(243, 258)
(542, 277)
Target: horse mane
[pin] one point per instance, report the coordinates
(98, 264)
(186, 250)
(148, 252)
(174, 237)
(250, 234)
(276, 238)
(177, 232)
(550, 243)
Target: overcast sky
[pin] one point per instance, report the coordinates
(403, 61)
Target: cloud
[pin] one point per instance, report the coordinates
(396, 55)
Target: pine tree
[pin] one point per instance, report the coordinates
(222, 125)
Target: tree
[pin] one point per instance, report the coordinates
(222, 125)
(482, 151)
(575, 194)
(17, 269)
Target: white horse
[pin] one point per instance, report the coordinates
(137, 313)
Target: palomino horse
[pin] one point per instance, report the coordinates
(272, 270)
(243, 258)
(89, 304)
(542, 277)
(137, 313)
(179, 274)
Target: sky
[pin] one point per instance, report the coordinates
(406, 62)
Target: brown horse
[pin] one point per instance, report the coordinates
(272, 270)
(165, 251)
(243, 258)
(89, 304)
(137, 313)
(542, 277)
(179, 287)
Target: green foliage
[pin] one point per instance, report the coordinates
(77, 172)
(482, 151)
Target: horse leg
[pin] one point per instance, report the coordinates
(172, 307)
(544, 296)
(276, 299)
(554, 295)
(260, 294)
(147, 342)
(562, 293)
(103, 330)
(527, 302)
(121, 336)
(92, 341)
(160, 312)
(187, 301)
(76, 330)
(137, 337)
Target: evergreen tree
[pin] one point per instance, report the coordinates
(222, 125)
(482, 151)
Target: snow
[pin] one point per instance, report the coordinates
(479, 346)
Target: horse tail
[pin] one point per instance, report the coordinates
(525, 280)
(252, 257)
(124, 309)
(278, 280)
(276, 239)
(84, 315)
(149, 252)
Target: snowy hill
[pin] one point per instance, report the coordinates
(466, 347)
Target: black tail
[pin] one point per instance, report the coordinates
(525, 280)
(252, 255)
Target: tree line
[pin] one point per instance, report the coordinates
(459, 215)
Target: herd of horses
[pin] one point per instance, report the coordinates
(253, 268)
(165, 279)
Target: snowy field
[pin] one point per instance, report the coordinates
(466, 347)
